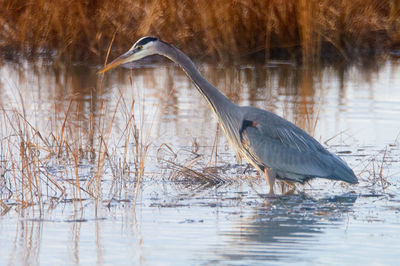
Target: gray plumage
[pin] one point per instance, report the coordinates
(266, 140)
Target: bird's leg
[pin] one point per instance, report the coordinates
(270, 174)
(247, 168)
(290, 185)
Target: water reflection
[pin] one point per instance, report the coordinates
(75, 235)
(301, 95)
(285, 228)
(26, 244)
(364, 102)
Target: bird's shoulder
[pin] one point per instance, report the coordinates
(258, 124)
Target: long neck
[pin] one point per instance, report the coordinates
(219, 103)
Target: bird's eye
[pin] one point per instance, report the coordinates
(139, 47)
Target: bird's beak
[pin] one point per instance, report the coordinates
(125, 58)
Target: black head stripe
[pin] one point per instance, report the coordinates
(146, 40)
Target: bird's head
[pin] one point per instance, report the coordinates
(143, 47)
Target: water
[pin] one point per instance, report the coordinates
(218, 213)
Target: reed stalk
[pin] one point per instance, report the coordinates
(301, 29)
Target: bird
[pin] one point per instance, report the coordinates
(273, 145)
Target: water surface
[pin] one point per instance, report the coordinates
(216, 212)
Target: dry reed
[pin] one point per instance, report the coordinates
(307, 30)
(66, 163)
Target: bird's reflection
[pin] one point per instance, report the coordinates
(283, 227)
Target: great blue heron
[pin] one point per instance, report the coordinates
(270, 143)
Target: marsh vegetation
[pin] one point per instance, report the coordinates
(304, 30)
(130, 167)
(142, 153)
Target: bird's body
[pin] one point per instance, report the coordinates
(270, 143)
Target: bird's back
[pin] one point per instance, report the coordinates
(273, 142)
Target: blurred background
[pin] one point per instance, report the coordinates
(306, 30)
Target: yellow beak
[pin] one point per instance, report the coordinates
(125, 58)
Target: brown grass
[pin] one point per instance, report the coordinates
(70, 161)
(299, 29)
(193, 169)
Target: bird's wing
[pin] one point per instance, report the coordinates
(274, 142)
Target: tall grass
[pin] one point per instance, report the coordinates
(71, 159)
(300, 29)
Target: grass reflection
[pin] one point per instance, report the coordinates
(67, 135)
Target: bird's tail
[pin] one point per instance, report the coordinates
(342, 171)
